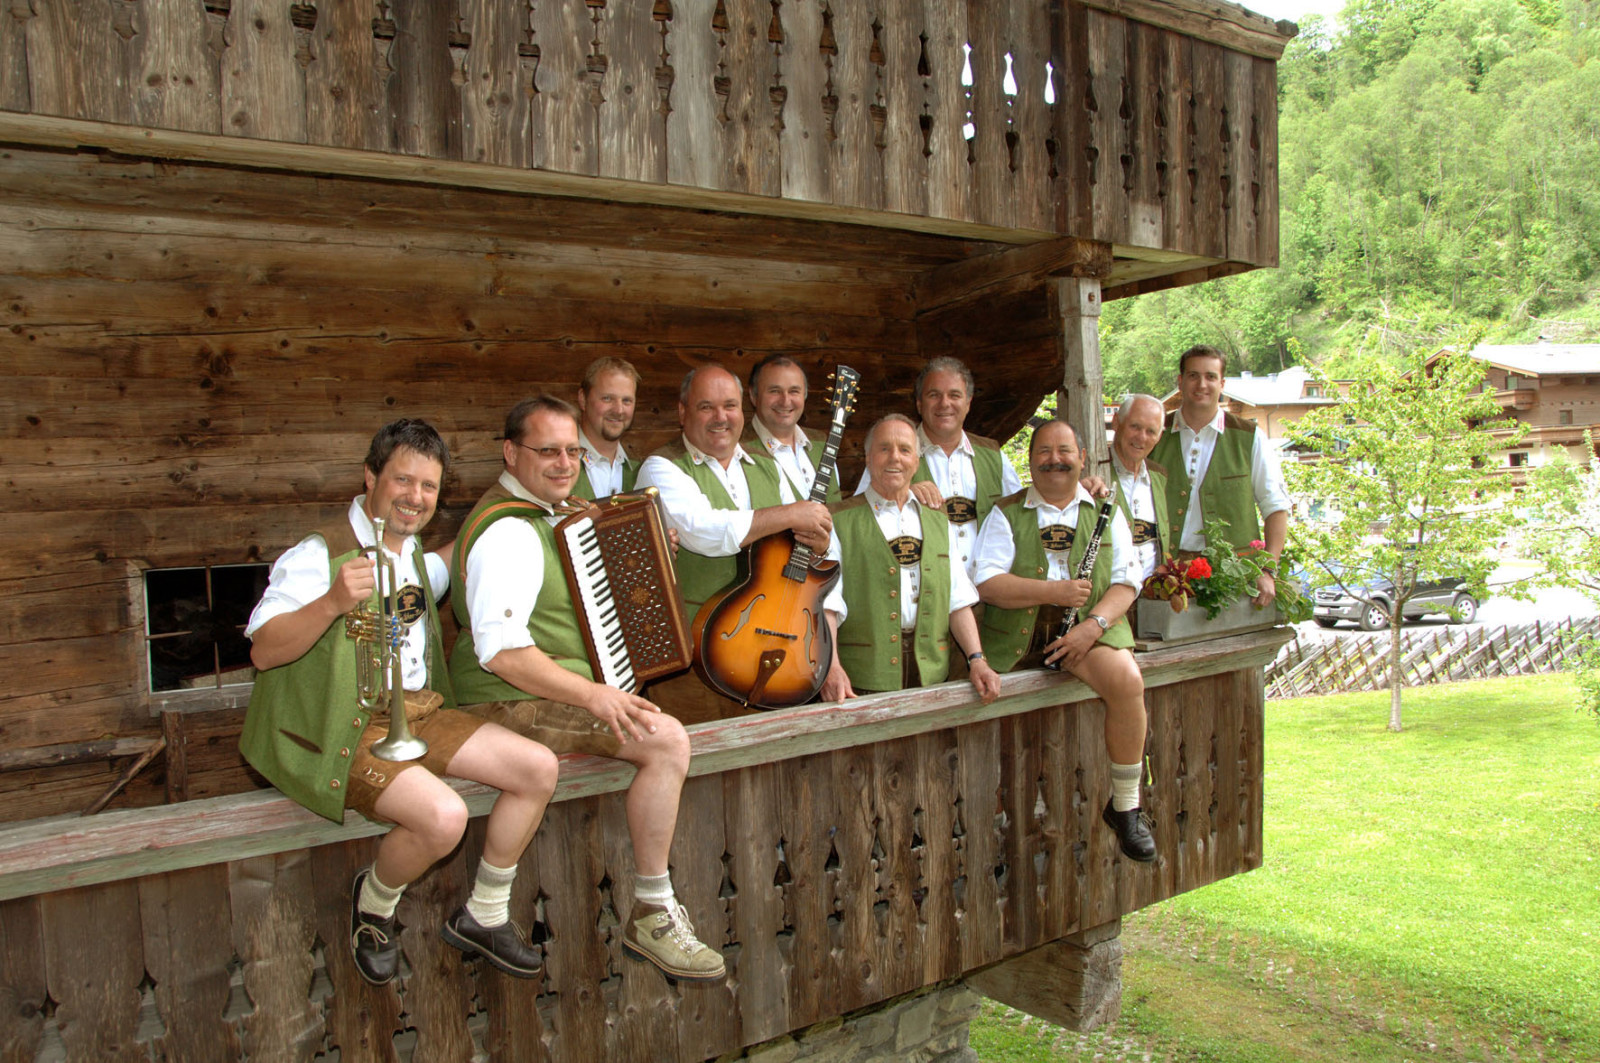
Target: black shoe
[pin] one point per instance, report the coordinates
(374, 941)
(503, 945)
(1132, 833)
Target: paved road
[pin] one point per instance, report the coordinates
(1548, 604)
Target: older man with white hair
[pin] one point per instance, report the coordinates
(1141, 484)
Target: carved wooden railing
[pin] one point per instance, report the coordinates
(1135, 122)
(838, 855)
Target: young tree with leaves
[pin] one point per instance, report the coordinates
(1565, 535)
(1405, 469)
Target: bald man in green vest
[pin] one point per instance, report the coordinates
(1221, 466)
(309, 734)
(521, 661)
(1029, 552)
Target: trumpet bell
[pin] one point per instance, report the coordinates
(399, 747)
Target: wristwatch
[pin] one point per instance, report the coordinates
(978, 656)
(1105, 625)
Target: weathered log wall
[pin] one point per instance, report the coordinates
(837, 856)
(1147, 124)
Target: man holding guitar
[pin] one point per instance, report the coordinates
(907, 593)
(778, 393)
(521, 662)
(1028, 555)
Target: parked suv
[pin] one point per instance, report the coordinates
(1369, 607)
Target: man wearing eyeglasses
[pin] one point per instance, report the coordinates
(521, 662)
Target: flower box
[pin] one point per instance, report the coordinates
(1155, 620)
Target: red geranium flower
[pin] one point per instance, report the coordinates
(1199, 568)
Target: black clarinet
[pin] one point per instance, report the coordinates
(1085, 568)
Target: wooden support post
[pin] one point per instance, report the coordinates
(177, 755)
(1075, 982)
(1077, 301)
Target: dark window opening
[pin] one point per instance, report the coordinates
(194, 622)
(1519, 459)
(1564, 417)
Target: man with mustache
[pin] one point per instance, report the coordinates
(965, 475)
(606, 400)
(1220, 466)
(905, 592)
(717, 496)
(1029, 551)
(521, 661)
(778, 392)
(306, 732)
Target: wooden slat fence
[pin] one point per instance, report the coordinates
(1334, 664)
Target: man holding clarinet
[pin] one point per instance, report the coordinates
(1057, 593)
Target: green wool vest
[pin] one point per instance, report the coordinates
(303, 722)
(986, 462)
(1158, 495)
(1225, 492)
(757, 449)
(1008, 633)
(553, 624)
(584, 489)
(699, 577)
(869, 640)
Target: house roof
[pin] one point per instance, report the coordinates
(1541, 359)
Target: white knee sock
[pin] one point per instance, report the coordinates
(490, 903)
(376, 898)
(1125, 786)
(653, 889)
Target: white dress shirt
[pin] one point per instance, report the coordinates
(1266, 477)
(505, 573)
(702, 529)
(793, 460)
(1140, 493)
(301, 576)
(895, 521)
(605, 474)
(956, 477)
(997, 549)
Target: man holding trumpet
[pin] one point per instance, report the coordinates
(307, 731)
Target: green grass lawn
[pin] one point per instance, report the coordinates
(1433, 893)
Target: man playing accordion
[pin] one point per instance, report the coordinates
(521, 661)
(1028, 556)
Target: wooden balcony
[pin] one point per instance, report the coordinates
(839, 855)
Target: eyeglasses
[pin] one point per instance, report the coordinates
(552, 453)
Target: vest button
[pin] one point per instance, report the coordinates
(894, 638)
(356, 722)
(333, 783)
(894, 616)
(894, 660)
(345, 752)
(894, 594)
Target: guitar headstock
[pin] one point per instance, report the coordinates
(845, 389)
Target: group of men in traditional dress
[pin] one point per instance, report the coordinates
(950, 569)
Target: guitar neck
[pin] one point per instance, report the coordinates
(827, 465)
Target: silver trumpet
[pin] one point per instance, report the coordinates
(376, 632)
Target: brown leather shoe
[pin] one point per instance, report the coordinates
(1133, 834)
(504, 946)
(374, 941)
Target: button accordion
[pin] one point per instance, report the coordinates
(618, 563)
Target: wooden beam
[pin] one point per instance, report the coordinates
(61, 852)
(1179, 279)
(1228, 25)
(71, 753)
(75, 134)
(1075, 982)
(1077, 308)
(1010, 270)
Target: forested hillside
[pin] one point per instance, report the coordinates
(1440, 171)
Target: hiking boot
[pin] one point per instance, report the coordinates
(505, 946)
(665, 937)
(374, 941)
(1133, 834)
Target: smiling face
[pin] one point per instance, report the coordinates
(1056, 462)
(779, 398)
(405, 493)
(943, 407)
(892, 459)
(1200, 384)
(711, 414)
(608, 406)
(1136, 432)
(545, 459)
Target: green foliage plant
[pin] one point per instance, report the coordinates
(1230, 575)
(1404, 467)
(1564, 534)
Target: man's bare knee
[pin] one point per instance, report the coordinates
(669, 744)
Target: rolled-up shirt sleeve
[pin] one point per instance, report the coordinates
(962, 592)
(834, 602)
(701, 529)
(1266, 477)
(505, 571)
(996, 550)
(299, 577)
(1126, 568)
